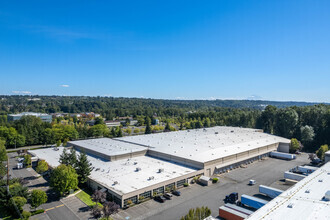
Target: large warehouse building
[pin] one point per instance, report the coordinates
(135, 167)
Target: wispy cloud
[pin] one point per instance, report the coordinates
(22, 92)
(60, 33)
(65, 86)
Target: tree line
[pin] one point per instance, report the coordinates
(309, 124)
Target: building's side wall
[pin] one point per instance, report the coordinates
(177, 182)
(284, 147)
(89, 151)
(176, 159)
(129, 155)
(237, 159)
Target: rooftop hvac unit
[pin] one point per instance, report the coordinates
(97, 169)
(137, 169)
(151, 178)
(115, 183)
(290, 205)
(135, 163)
(160, 170)
(327, 196)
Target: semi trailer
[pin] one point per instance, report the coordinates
(269, 191)
(281, 155)
(293, 176)
(239, 209)
(230, 214)
(253, 202)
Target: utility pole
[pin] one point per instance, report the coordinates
(8, 172)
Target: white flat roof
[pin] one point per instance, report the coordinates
(123, 171)
(305, 199)
(206, 144)
(30, 113)
(108, 146)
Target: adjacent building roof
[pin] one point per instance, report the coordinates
(123, 176)
(305, 200)
(108, 146)
(205, 144)
(29, 113)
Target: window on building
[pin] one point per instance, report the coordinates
(159, 190)
(180, 183)
(130, 201)
(145, 195)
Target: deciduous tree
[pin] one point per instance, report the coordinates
(38, 197)
(63, 179)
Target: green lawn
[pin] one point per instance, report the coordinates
(86, 198)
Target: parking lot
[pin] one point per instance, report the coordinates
(266, 172)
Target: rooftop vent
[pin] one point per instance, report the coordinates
(137, 169)
(151, 178)
(216, 132)
(97, 169)
(135, 163)
(320, 180)
(307, 191)
(115, 183)
(160, 170)
(290, 205)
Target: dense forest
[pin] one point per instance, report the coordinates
(308, 122)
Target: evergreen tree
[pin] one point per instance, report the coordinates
(148, 127)
(119, 132)
(83, 167)
(3, 152)
(72, 158)
(167, 126)
(64, 157)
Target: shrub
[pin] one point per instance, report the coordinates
(186, 184)
(141, 197)
(26, 215)
(129, 202)
(27, 160)
(215, 180)
(37, 198)
(42, 166)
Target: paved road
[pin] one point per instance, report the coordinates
(26, 147)
(267, 172)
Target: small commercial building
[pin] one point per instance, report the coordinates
(44, 117)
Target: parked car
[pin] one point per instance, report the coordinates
(160, 199)
(168, 196)
(176, 192)
(252, 182)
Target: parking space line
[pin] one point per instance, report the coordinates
(54, 207)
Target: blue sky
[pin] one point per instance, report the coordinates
(274, 50)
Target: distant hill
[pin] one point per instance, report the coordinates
(74, 104)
